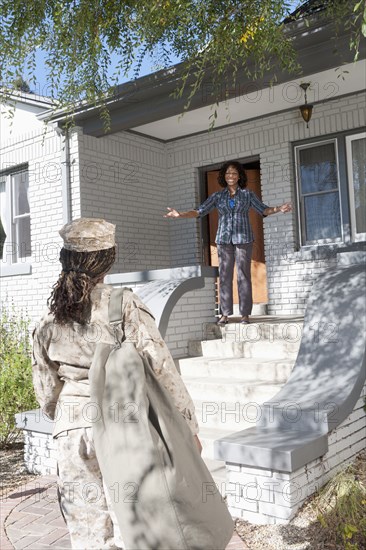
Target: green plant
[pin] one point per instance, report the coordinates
(16, 388)
(341, 506)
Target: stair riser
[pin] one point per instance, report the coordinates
(276, 373)
(224, 416)
(220, 393)
(265, 350)
(290, 332)
(254, 332)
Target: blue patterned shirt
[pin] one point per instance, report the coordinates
(234, 226)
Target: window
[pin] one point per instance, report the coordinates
(319, 198)
(330, 210)
(356, 166)
(15, 239)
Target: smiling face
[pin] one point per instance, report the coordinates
(232, 178)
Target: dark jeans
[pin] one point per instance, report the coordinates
(228, 255)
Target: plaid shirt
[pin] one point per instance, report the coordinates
(234, 226)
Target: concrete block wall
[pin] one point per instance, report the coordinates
(272, 497)
(29, 292)
(290, 273)
(123, 179)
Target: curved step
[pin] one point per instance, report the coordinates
(324, 386)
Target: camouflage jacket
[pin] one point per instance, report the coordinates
(62, 355)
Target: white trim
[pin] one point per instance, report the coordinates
(11, 228)
(300, 210)
(355, 236)
(9, 270)
(249, 101)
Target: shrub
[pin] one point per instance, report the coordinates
(16, 388)
(342, 510)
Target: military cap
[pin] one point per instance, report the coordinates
(88, 235)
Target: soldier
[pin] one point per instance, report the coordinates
(63, 349)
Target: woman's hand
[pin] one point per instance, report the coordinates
(198, 443)
(286, 207)
(172, 213)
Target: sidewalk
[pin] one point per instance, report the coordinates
(30, 518)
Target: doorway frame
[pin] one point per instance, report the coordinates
(202, 190)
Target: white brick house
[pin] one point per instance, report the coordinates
(153, 158)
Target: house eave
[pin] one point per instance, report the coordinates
(150, 98)
(30, 99)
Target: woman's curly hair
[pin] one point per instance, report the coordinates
(70, 298)
(242, 182)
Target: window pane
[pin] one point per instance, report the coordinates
(22, 231)
(322, 217)
(318, 168)
(359, 182)
(2, 217)
(20, 199)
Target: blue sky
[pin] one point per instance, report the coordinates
(41, 86)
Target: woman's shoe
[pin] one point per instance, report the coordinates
(244, 320)
(223, 320)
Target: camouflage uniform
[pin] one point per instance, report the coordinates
(62, 358)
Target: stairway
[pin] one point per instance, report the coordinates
(234, 371)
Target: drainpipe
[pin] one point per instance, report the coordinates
(65, 174)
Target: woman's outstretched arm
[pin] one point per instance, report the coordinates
(175, 214)
(286, 207)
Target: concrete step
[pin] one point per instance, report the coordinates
(269, 370)
(260, 328)
(218, 472)
(207, 437)
(262, 349)
(227, 415)
(220, 390)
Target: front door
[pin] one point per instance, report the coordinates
(258, 267)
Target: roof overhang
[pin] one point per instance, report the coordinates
(147, 105)
(35, 100)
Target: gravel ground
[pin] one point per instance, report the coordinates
(302, 533)
(12, 469)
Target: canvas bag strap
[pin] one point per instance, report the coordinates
(115, 313)
(115, 305)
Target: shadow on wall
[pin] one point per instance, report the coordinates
(330, 367)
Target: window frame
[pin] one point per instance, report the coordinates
(356, 237)
(300, 203)
(10, 264)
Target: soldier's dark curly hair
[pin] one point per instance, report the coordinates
(242, 182)
(70, 298)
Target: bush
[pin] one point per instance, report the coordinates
(341, 510)
(16, 388)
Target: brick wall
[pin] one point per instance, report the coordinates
(268, 496)
(255, 495)
(29, 292)
(130, 180)
(290, 273)
(123, 179)
(40, 455)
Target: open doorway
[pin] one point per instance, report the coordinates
(258, 266)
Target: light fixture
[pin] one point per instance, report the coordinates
(306, 109)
